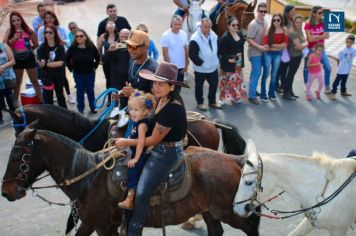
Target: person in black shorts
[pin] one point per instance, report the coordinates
(167, 136)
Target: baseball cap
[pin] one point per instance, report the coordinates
(138, 37)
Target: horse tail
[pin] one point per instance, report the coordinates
(232, 140)
(71, 222)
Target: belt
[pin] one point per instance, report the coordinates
(171, 144)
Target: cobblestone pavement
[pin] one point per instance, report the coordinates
(282, 126)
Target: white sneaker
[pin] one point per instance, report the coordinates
(71, 99)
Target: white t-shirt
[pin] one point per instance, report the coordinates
(175, 43)
(346, 57)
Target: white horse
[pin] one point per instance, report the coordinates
(195, 14)
(309, 180)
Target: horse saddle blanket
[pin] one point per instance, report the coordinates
(177, 186)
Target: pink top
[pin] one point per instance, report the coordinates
(20, 45)
(313, 60)
(315, 30)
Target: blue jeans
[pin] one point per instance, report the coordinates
(256, 64)
(270, 59)
(85, 84)
(340, 78)
(179, 12)
(214, 11)
(133, 174)
(155, 171)
(327, 69)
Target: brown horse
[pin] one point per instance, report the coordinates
(75, 126)
(241, 10)
(212, 172)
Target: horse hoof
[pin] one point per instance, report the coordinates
(188, 226)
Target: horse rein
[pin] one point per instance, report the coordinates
(253, 198)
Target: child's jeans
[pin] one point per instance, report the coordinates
(338, 79)
(312, 77)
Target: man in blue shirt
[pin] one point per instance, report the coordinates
(38, 21)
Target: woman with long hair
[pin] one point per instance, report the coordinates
(296, 45)
(51, 18)
(167, 136)
(111, 36)
(277, 40)
(82, 59)
(22, 40)
(51, 57)
(288, 14)
(231, 53)
(314, 30)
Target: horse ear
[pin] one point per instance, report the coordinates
(250, 148)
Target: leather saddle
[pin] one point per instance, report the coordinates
(176, 186)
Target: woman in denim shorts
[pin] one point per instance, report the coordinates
(167, 136)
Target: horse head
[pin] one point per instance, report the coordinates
(195, 15)
(248, 15)
(250, 182)
(23, 167)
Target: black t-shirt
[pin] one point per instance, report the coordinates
(82, 61)
(134, 132)
(137, 82)
(52, 54)
(173, 116)
(121, 23)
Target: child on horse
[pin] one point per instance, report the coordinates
(141, 108)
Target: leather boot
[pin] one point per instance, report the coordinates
(129, 202)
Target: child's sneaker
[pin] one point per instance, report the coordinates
(346, 94)
(332, 96)
(317, 94)
(309, 97)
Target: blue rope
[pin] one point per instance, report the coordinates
(23, 116)
(107, 111)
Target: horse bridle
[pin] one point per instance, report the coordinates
(24, 166)
(258, 187)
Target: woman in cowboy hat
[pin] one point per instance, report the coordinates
(167, 136)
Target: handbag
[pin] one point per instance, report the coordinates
(10, 83)
(285, 56)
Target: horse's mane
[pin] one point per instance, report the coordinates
(82, 161)
(324, 161)
(60, 115)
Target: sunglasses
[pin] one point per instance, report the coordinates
(276, 20)
(134, 48)
(263, 12)
(80, 36)
(234, 25)
(48, 32)
(17, 20)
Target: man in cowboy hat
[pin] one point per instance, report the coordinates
(137, 45)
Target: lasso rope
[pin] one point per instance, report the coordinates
(107, 111)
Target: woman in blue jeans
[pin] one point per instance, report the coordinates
(83, 58)
(314, 30)
(167, 136)
(277, 40)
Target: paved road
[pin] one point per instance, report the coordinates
(282, 126)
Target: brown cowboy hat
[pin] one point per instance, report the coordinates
(165, 72)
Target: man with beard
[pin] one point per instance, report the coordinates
(137, 45)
